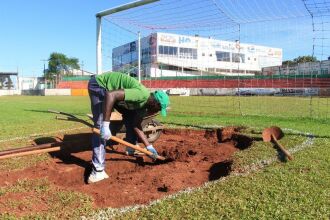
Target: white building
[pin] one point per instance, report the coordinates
(308, 68)
(165, 54)
(31, 83)
(81, 72)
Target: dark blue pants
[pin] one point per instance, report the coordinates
(97, 95)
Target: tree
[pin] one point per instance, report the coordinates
(300, 59)
(60, 64)
(305, 59)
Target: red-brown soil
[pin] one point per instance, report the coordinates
(194, 157)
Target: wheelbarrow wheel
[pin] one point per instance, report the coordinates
(152, 134)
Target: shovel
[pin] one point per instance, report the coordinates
(71, 117)
(135, 147)
(273, 134)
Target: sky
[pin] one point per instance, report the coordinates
(32, 30)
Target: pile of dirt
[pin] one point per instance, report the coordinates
(193, 158)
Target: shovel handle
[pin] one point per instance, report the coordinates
(135, 147)
(287, 153)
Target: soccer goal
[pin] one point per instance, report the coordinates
(246, 57)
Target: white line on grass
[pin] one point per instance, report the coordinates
(110, 213)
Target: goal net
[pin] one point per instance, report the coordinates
(268, 58)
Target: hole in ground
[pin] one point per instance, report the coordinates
(193, 158)
(220, 169)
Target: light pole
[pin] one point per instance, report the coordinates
(44, 75)
(44, 67)
(82, 67)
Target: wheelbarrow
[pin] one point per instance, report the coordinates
(151, 127)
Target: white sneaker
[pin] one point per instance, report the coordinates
(96, 176)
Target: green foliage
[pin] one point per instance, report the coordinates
(59, 63)
(300, 59)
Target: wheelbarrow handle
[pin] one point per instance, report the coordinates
(135, 147)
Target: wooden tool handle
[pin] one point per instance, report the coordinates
(287, 153)
(47, 150)
(135, 147)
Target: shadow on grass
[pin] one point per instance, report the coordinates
(48, 112)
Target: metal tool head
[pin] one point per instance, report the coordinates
(268, 132)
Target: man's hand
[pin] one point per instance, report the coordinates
(153, 151)
(105, 130)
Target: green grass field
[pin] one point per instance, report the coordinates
(295, 190)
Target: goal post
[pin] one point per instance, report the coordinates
(223, 54)
(99, 26)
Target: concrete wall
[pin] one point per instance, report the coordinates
(49, 92)
(32, 92)
(247, 91)
(325, 92)
(79, 92)
(9, 92)
(46, 92)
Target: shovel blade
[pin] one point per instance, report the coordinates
(274, 131)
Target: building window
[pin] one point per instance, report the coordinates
(223, 70)
(146, 54)
(324, 71)
(238, 58)
(237, 71)
(168, 67)
(116, 60)
(167, 50)
(126, 58)
(188, 53)
(223, 56)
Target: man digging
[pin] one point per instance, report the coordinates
(118, 91)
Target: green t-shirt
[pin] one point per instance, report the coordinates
(136, 95)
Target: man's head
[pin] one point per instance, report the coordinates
(158, 101)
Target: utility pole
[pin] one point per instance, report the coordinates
(43, 60)
(82, 67)
(44, 67)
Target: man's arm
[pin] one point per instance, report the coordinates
(110, 99)
(139, 131)
(143, 138)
